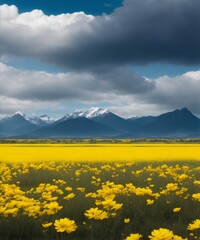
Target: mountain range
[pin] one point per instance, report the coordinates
(101, 123)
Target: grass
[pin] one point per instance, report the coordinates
(125, 186)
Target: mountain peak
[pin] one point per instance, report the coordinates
(96, 111)
(90, 113)
(19, 113)
(98, 122)
(185, 110)
(77, 113)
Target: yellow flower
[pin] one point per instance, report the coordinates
(150, 202)
(127, 220)
(52, 208)
(109, 204)
(65, 225)
(12, 212)
(176, 209)
(182, 177)
(196, 196)
(176, 237)
(161, 234)
(2, 209)
(69, 196)
(117, 206)
(171, 187)
(113, 214)
(46, 225)
(197, 182)
(96, 214)
(81, 189)
(133, 236)
(194, 226)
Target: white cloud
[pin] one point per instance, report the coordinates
(125, 93)
(39, 85)
(97, 49)
(35, 34)
(10, 105)
(134, 108)
(138, 32)
(25, 90)
(8, 13)
(179, 91)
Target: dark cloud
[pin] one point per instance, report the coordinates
(22, 89)
(121, 88)
(139, 32)
(98, 53)
(42, 86)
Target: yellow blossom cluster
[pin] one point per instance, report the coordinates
(164, 234)
(101, 198)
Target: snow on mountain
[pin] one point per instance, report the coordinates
(34, 120)
(95, 112)
(77, 114)
(42, 120)
(64, 118)
(91, 113)
(18, 113)
(46, 119)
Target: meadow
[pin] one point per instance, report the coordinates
(99, 191)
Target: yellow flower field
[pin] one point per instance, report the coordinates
(100, 192)
(98, 152)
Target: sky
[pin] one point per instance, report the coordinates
(134, 57)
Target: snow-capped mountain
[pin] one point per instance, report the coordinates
(16, 114)
(41, 121)
(19, 113)
(16, 124)
(96, 112)
(91, 113)
(98, 122)
(64, 118)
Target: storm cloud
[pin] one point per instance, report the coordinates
(139, 32)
